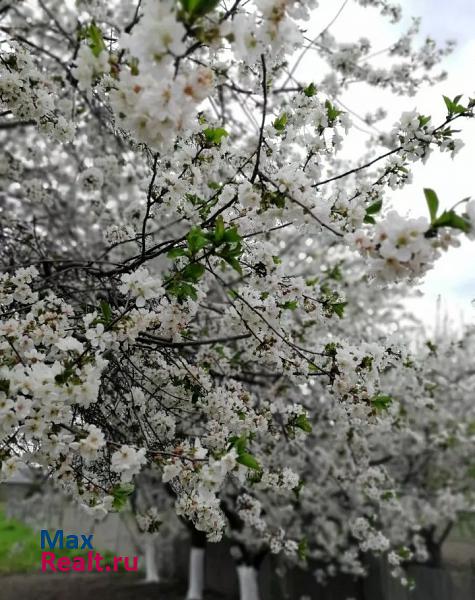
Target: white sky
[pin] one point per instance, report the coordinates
(453, 277)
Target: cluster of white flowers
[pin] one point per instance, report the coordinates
(150, 520)
(156, 109)
(249, 510)
(89, 65)
(30, 96)
(141, 285)
(370, 540)
(150, 99)
(90, 445)
(9, 468)
(128, 462)
(16, 287)
(400, 247)
(286, 480)
(204, 509)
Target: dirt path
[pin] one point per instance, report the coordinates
(67, 586)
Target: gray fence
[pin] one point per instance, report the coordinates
(116, 535)
(431, 584)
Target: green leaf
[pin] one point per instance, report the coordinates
(234, 263)
(4, 385)
(381, 402)
(310, 90)
(289, 305)
(335, 273)
(448, 104)
(196, 240)
(121, 494)
(134, 66)
(374, 208)
(63, 377)
(193, 272)
(277, 199)
(182, 290)
(244, 456)
(219, 230)
(453, 106)
(194, 199)
(332, 112)
(231, 236)
(106, 312)
(302, 549)
(239, 443)
(366, 362)
(280, 122)
(298, 488)
(198, 8)
(424, 120)
(96, 41)
(248, 461)
(176, 252)
(369, 220)
(303, 423)
(339, 308)
(215, 136)
(451, 219)
(404, 553)
(432, 202)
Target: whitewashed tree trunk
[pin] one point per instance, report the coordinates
(248, 582)
(196, 574)
(151, 570)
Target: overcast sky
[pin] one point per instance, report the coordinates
(453, 278)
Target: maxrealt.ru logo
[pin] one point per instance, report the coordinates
(92, 561)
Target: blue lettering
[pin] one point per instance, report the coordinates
(45, 539)
(87, 541)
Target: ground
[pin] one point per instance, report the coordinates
(65, 586)
(20, 547)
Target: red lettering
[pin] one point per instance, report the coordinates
(79, 564)
(47, 558)
(64, 563)
(98, 559)
(134, 565)
(117, 560)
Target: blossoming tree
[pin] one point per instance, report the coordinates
(160, 160)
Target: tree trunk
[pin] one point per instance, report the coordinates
(196, 569)
(151, 571)
(196, 574)
(434, 545)
(248, 582)
(434, 550)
